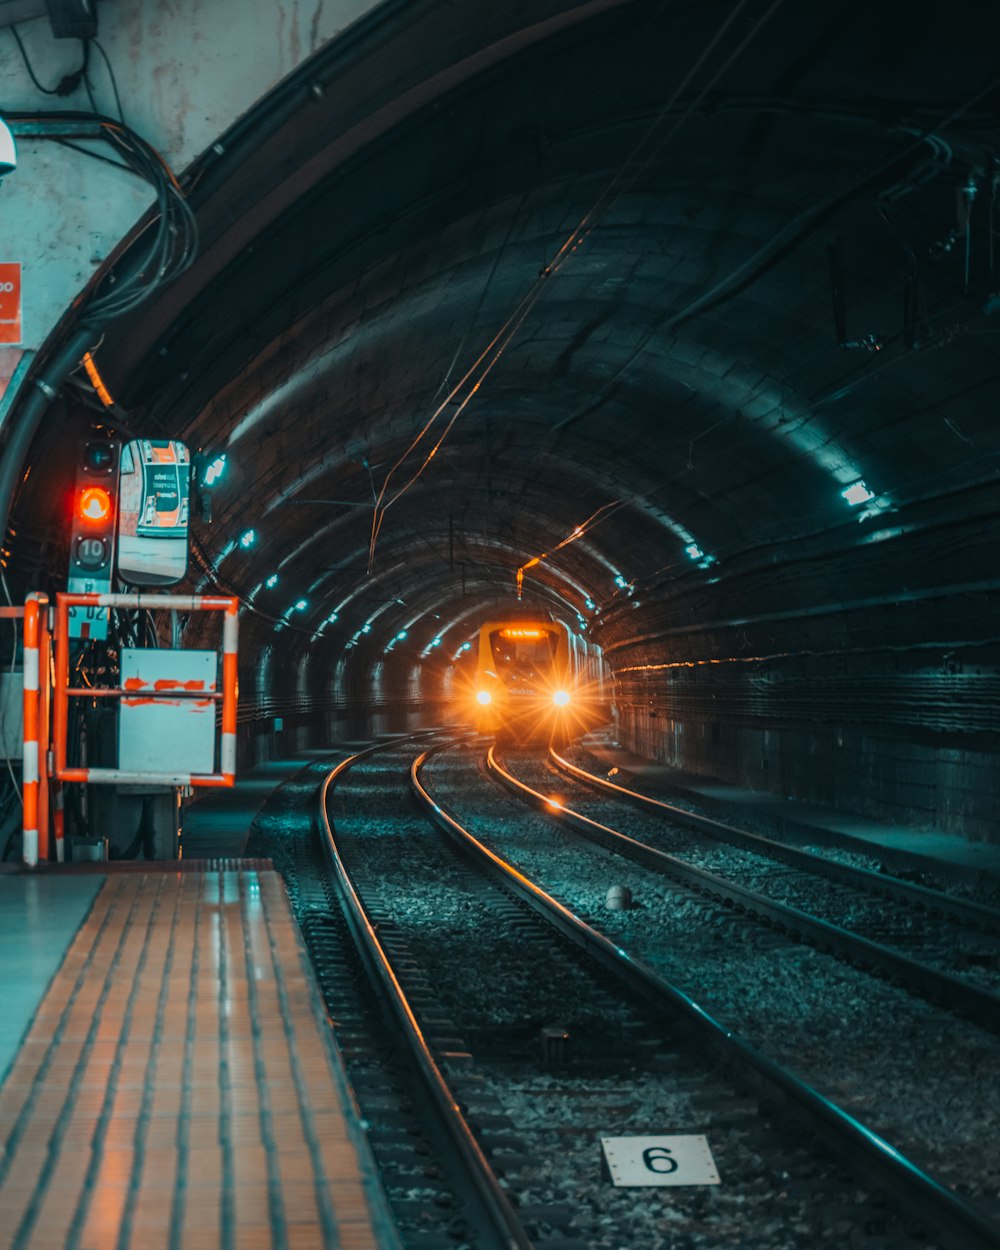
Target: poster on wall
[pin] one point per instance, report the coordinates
(10, 303)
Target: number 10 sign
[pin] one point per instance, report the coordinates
(660, 1160)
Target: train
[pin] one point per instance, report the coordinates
(526, 684)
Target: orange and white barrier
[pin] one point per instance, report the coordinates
(226, 776)
(230, 639)
(59, 820)
(29, 775)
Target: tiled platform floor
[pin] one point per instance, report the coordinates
(179, 1088)
(38, 917)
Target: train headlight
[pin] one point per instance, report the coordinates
(484, 697)
(560, 698)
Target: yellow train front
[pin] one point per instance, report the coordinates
(524, 684)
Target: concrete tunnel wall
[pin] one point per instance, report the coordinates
(683, 370)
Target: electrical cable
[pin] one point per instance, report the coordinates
(68, 84)
(501, 342)
(783, 242)
(578, 532)
(175, 240)
(623, 177)
(114, 82)
(95, 156)
(161, 248)
(204, 560)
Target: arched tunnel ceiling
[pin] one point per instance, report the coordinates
(587, 256)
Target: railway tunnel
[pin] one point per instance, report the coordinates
(685, 311)
(671, 322)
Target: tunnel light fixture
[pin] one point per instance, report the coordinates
(857, 493)
(8, 149)
(401, 636)
(226, 550)
(366, 628)
(300, 605)
(466, 646)
(590, 604)
(694, 551)
(272, 581)
(620, 582)
(331, 618)
(215, 470)
(434, 642)
(247, 539)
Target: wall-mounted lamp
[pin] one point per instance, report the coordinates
(8, 150)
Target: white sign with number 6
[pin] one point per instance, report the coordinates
(683, 1160)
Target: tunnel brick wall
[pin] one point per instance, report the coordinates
(917, 781)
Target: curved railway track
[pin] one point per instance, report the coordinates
(546, 1041)
(944, 948)
(434, 1198)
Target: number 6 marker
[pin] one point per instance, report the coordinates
(635, 1161)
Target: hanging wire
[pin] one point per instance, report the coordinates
(68, 84)
(168, 238)
(114, 81)
(648, 146)
(578, 531)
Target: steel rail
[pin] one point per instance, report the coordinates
(978, 1005)
(489, 1190)
(960, 1225)
(979, 915)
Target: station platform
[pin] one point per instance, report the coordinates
(169, 1076)
(903, 849)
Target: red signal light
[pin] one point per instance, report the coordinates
(94, 505)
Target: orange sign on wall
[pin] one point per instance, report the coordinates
(10, 303)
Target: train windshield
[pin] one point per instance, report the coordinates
(522, 649)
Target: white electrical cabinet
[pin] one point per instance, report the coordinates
(167, 717)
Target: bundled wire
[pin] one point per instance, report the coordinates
(163, 247)
(174, 242)
(170, 235)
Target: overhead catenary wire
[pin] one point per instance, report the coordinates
(378, 515)
(578, 532)
(491, 355)
(649, 144)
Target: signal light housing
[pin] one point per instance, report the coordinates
(94, 505)
(92, 539)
